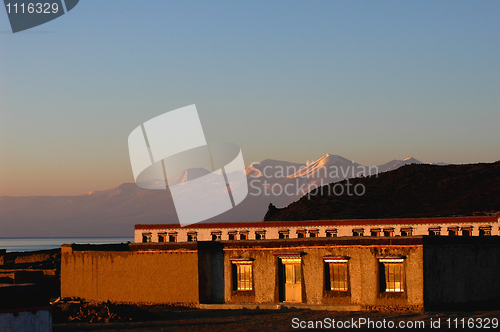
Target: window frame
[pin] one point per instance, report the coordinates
(330, 264)
(216, 235)
(162, 237)
(232, 235)
(301, 233)
(399, 275)
(313, 233)
(284, 234)
(172, 237)
(244, 235)
(466, 230)
(358, 232)
(260, 235)
(388, 231)
(453, 230)
(407, 230)
(331, 233)
(436, 231)
(485, 230)
(242, 274)
(192, 236)
(146, 236)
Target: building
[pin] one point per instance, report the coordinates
(24, 308)
(350, 271)
(451, 226)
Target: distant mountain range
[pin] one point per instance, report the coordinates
(114, 212)
(416, 190)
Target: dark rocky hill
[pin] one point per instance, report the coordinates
(416, 190)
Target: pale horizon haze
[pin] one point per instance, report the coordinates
(369, 81)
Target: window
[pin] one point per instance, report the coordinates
(467, 231)
(313, 233)
(216, 235)
(242, 275)
(301, 233)
(331, 233)
(406, 231)
(260, 235)
(146, 237)
(192, 236)
(293, 273)
(172, 237)
(388, 231)
(243, 235)
(358, 232)
(233, 235)
(484, 230)
(375, 232)
(392, 275)
(434, 231)
(284, 234)
(162, 237)
(453, 231)
(337, 274)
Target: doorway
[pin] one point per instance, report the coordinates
(291, 280)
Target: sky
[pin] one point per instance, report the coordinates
(370, 81)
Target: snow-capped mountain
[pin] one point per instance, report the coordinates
(324, 168)
(114, 212)
(394, 164)
(187, 175)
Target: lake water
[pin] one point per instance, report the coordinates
(43, 243)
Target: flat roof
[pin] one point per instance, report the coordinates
(339, 222)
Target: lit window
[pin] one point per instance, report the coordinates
(375, 232)
(192, 237)
(284, 234)
(242, 275)
(331, 233)
(393, 280)
(337, 274)
(216, 235)
(243, 235)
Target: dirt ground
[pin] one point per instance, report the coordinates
(189, 320)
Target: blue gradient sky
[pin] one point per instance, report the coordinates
(290, 80)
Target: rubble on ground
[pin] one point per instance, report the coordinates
(75, 310)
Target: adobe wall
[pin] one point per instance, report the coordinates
(169, 276)
(462, 272)
(363, 268)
